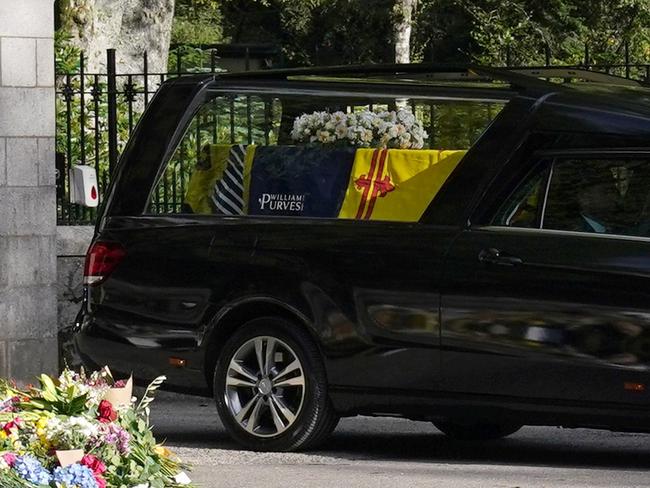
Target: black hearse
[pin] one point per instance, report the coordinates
(490, 269)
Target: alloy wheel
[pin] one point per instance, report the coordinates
(265, 386)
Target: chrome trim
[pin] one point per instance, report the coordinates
(528, 230)
(93, 280)
(548, 186)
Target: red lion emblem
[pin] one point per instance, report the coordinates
(373, 185)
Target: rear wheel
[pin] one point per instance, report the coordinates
(480, 431)
(270, 387)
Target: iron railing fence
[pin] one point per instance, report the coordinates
(96, 113)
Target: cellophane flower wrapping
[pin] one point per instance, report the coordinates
(70, 413)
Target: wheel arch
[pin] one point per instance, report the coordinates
(232, 317)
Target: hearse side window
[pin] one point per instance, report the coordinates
(344, 157)
(524, 207)
(591, 195)
(599, 195)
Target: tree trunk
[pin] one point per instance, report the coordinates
(404, 10)
(131, 27)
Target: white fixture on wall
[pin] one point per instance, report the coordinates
(83, 186)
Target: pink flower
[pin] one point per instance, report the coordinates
(10, 458)
(16, 423)
(94, 463)
(97, 467)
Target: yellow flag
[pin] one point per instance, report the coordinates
(396, 184)
(248, 166)
(209, 169)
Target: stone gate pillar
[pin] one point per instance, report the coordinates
(28, 343)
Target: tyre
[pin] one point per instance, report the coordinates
(481, 431)
(270, 387)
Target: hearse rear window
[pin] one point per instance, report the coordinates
(318, 157)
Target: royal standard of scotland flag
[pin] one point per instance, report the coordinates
(396, 184)
(299, 181)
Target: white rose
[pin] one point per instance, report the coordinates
(366, 119)
(338, 117)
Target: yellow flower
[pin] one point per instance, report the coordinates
(163, 451)
(40, 428)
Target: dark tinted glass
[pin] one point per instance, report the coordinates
(604, 196)
(523, 207)
(346, 157)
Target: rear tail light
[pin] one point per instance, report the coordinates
(102, 258)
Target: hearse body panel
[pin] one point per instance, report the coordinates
(453, 315)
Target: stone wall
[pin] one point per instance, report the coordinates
(28, 324)
(71, 245)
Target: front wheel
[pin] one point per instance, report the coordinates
(481, 431)
(271, 389)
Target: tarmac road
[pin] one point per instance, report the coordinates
(368, 452)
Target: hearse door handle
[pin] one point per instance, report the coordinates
(494, 256)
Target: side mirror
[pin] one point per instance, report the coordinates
(83, 186)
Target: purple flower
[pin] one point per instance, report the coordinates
(114, 435)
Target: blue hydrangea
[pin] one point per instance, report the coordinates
(29, 468)
(75, 475)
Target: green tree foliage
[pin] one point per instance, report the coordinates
(349, 31)
(315, 31)
(197, 22)
(525, 27)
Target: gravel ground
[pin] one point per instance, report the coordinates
(368, 452)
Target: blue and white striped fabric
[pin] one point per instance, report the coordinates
(228, 194)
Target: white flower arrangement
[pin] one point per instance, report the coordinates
(70, 432)
(394, 129)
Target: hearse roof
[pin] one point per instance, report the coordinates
(570, 83)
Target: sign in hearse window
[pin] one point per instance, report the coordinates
(318, 156)
(591, 195)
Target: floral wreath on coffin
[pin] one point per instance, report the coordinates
(387, 129)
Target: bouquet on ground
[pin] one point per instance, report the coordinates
(82, 431)
(387, 129)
